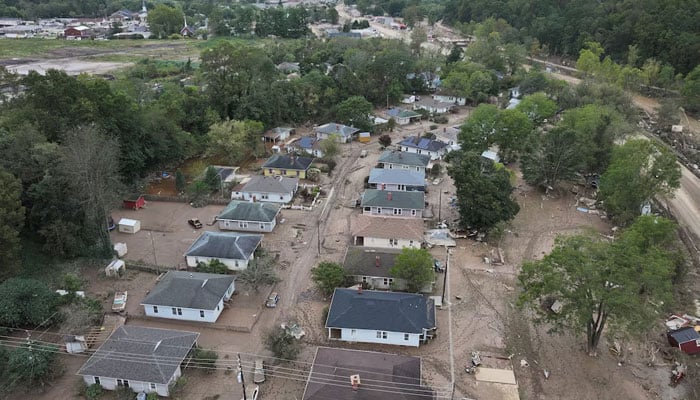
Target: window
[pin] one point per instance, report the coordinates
(155, 309)
(387, 281)
(379, 210)
(420, 151)
(153, 386)
(364, 279)
(417, 169)
(270, 171)
(413, 213)
(242, 224)
(177, 311)
(393, 242)
(201, 313)
(262, 225)
(405, 336)
(381, 335)
(217, 308)
(368, 208)
(398, 211)
(123, 382)
(281, 197)
(353, 332)
(410, 243)
(264, 196)
(96, 379)
(284, 172)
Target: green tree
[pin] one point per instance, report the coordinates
(11, 222)
(206, 359)
(478, 132)
(355, 111)
(512, 133)
(25, 302)
(212, 267)
(553, 157)
(211, 179)
(537, 107)
(180, 182)
(483, 191)
(330, 146)
(328, 276)
(418, 37)
(385, 140)
(598, 282)
(260, 271)
(282, 344)
(164, 20)
(415, 266)
(93, 392)
(32, 363)
(691, 90)
(234, 141)
(639, 171)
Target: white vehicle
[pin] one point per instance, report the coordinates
(259, 372)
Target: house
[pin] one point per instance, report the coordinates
(371, 316)
(393, 204)
(78, 33)
(396, 180)
(272, 189)
(490, 155)
(247, 216)
(189, 296)
(278, 134)
(446, 98)
(416, 144)
(332, 369)
(370, 267)
(287, 165)
(307, 144)
(288, 67)
(687, 339)
(433, 106)
(187, 31)
(345, 133)
(403, 117)
(122, 15)
(449, 135)
(385, 232)
(142, 359)
(403, 161)
(233, 249)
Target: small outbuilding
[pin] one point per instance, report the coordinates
(116, 268)
(127, 225)
(134, 202)
(687, 339)
(364, 137)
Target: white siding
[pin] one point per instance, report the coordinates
(246, 226)
(385, 243)
(233, 265)
(405, 167)
(460, 101)
(370, 336)
(184, 314)
(262, 197)
(135, 386)
(434, 155)
(389, 212)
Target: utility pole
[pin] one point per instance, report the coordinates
(447, 269)
(440, 209)
(240, 375)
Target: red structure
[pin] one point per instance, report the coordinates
(134, 202)
(687, 339)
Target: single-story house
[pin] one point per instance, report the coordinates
(371, 316)
(449, 135)
(278, 134)
(396, 180)
(273, 189)
(233, 249)
(446, 98)
(400, 204)
(333, 369)
(189, 296)
(416, 144)
(345, 133)
(687, 339)
(248, 216)
(404, 161)
(78, 33)
(433, 106)
(307, 144)
(403, 117)
(387, 233)
(287, 165)
(370, 267)
(142, 359)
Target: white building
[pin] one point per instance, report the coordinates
(404, 160)
(399, 204)
(247, 216)
(416, 144)
(272, 189)
(445, 98)
(386, 233)
(233, 249)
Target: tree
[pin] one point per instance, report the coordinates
(639, 171)
(164, 20)
(233, 140)
(32, 363)
(206, 359)
(355, 111)
(11, 222)
(478, 132)
(211, 179)
(415, 266)
(537, 107)
(483, 191)
(282, 344)
(385, 140)
(328, 276)
(553, 158)
(260, 271)
(691, 90)
(212, 267)
(512, 134)
(26, 302)
(330, 146)
(180, 182)
(595, 282)
(418, 37)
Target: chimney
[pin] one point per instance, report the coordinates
(377, 261)
(388, 196)
(355, 382)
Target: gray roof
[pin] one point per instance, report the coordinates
(229, 245)
(140, 354)
(402, 113)
(684, 335)
(332, 127)
(288, 161)
(404, 158)
(400, 376)
(248, 211)
(423, 143)
(382, 311)
(397, 176)
(270, 184)
(399, 199)
(190, 290)
(362, 261)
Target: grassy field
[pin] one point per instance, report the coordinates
(131, 49)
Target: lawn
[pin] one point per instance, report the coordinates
(51, 48)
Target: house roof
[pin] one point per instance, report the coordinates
(332, 127)
(276, 132)
(270, 184)
(382, 311)
(423, 143)
(288, 161)
(248, 211)
(684, 335)
(288, 66)
(228, 245)
(404, 158)
(401, 113)
(329, 378)
(433, 103)
(189, 290)
(140, 354)
(397, 176)
(307, 143)
(395, 199)
(387, 227)
(367, 261)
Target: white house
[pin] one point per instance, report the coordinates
(278, 134)
(272, 189)
(142, 359)
(248, 216)
(400, 204)
(189, 296)
(362, 316)
(416, 144)
(233, 249)
(386, 233)
(404, 161)
(345, 133)
(370, 267)
(446, 98)
(403, 117)
(433, 106)
(307, 144)
(396, 180)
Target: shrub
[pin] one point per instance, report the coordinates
(93, 392)
(206, 359)
(385, 140)
(212, 267)
(124, 393)
(282, 344)
(440, 119)
(152, 396)
(177, 387)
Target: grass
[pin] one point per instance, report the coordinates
(30, 48)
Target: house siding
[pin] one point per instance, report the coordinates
(434, 155)
(397, 187)
(370, 336)
(188, 314)
(460, 101)
(246, 226)
(389, 212)
(135, 386)
(263, 197)
(341, 138)
(292, 173)
(230, 263)
(386, 243)
(404, 167)
(387, 283)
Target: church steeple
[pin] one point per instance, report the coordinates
(143, 6)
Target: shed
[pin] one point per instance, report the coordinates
(115, 268)
(120, 249)
(134, 202)
(364, 137)
(687, 339)
(75, 344)
(127, 225)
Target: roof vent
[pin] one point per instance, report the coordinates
(355, 382)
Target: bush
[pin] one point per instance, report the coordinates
(212, 267)
(124, 393)
(436, 169)
(177, 387)
(440, 119)
(206, 359)
(328, 276)
(282, 345)
(324, 315)
(330, 163)
(93, 392)
(152, 396)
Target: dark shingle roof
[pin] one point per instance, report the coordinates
(384, 311)
(380, 198)
(284, 161)
(342, 130)
(404, 158)
(423, 143)
(248, 211)
(140, 354)
(190, 290)
(363, 261)
(396, 176)
(401, 113)
(230, 245)
(330, 376)
(270, 184)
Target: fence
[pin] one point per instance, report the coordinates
(184, 199)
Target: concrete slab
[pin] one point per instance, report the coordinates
(496, 375)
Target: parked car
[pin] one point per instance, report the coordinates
(272, 300)
(438, 266)
(259, 372)
(194, 222)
